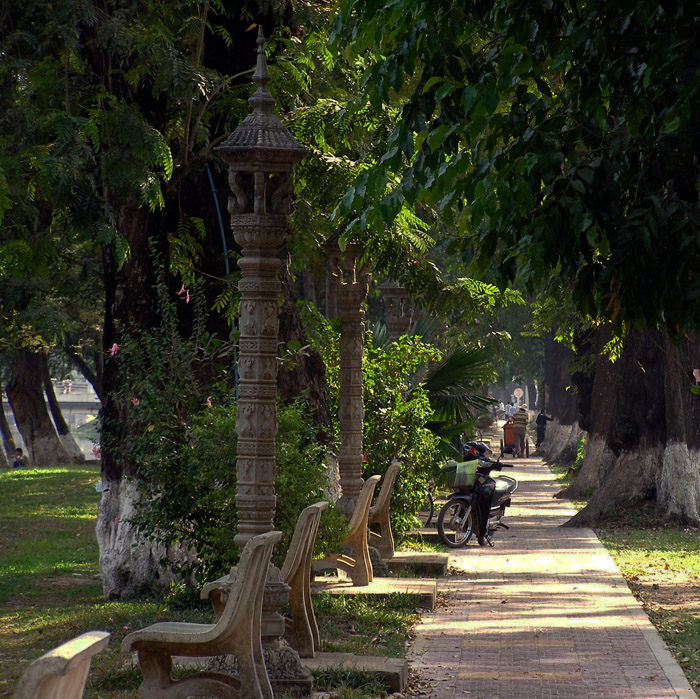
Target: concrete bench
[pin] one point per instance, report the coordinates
(62, 672)
(236, 632)
(380, 513)
(358, 568)
(302, 629)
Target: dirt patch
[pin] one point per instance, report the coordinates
(666, 589)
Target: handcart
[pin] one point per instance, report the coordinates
(508, 440)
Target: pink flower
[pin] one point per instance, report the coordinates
(114, 350)
(135, 401)
(184, 294)
(96, 451)
(209, 401)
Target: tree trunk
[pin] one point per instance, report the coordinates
(628, 427)
(678, 492)
(93, 377)
(8, 441)
(33, 421)
(69, 444)
(128, 562)
(309, 287)
(560, 402)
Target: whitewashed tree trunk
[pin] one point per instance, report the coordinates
(644, 431)
(129, 564)
(678, 489)
(71, 447)
(560, 442)
(623, 480)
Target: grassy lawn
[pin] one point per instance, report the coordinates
(50, 591)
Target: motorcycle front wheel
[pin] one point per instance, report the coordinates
(456, 523)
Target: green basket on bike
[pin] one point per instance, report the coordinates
(460, 474)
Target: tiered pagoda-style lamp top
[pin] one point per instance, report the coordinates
(261, 136)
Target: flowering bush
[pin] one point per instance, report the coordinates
(183, 440)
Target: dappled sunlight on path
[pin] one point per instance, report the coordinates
(544, 613)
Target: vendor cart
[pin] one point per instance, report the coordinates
(508, 440)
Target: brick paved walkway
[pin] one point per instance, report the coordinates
(543, 614)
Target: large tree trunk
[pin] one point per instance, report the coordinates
(69, 444)
(128, 562)
(31, 416)
(560, 402)
(678, 487)
(643, 430)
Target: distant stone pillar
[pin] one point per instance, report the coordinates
(398, 310)
(351, 285)
(261, 155)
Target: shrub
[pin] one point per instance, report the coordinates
(182, 441)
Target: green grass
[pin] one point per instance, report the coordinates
(50, 591)
(365, 625)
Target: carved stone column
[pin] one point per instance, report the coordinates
(398, 310)
(351, 292)
(261, 155)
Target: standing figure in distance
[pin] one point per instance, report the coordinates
(520, 421)
(541, 422)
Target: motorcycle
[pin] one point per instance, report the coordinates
(478, 502)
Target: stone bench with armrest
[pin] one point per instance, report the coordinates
(380, 512)
(62, 672)
(301, 630)
(236, 632)
(358, 568)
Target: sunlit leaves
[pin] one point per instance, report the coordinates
(559, 142)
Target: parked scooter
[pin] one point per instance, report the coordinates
(478, 502)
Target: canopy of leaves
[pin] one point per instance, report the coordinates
(561, 138)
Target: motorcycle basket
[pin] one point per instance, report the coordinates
(460, 474)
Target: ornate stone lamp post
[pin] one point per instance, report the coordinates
(398, 310)
(351, 286)
(261, 156)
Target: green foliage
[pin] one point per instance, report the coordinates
(560, 143)
(182, 438)
(395, 424)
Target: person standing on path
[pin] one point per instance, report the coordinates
(541, 422)
(520, 421)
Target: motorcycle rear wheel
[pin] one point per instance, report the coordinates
(456, 523)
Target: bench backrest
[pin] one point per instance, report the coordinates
(301, 546)
(62, 672)
(245, 599)
(361, 512)
(387, 486)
